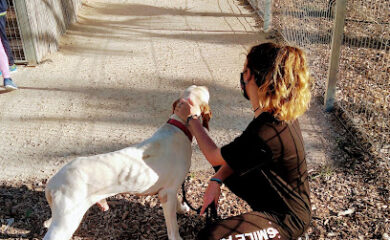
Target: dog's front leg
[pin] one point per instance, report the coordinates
(168, 198)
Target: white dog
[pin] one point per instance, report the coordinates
(157, 165)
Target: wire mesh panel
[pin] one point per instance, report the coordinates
(363, 89)
(307, 24)
(364, 70)
(13, 34)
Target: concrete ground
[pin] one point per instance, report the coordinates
(117, 72)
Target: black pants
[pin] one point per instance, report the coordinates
(248, 226)
(4, 40)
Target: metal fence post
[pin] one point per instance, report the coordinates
(267, 15)
(337, 40)
(25, 32)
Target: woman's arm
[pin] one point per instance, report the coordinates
(213, 190)
(206, 144)
(224, 172)
(209, 150)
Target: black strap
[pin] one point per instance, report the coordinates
(211, 210)
(197, 210)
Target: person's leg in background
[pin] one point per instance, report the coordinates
(252, 225)
(6, 45)
(4, 68)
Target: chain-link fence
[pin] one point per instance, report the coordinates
(364, 70)
(13, 34)
(363, 82)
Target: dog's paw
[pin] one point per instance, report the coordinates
(183, 208)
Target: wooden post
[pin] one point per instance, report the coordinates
(337, 40)
(25, 32)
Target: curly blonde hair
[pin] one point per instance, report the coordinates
(283, 78)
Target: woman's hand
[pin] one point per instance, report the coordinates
(183, 109)
(211, 195)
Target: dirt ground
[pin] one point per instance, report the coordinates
(112, 83)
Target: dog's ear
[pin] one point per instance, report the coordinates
(206, 115)
(174, 105)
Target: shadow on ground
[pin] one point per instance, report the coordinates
(126, 102)
(129, 217)
(140, 23)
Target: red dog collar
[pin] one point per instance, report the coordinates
(182, 127)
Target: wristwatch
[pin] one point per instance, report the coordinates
(190, 118)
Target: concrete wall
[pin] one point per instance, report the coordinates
(43, 23)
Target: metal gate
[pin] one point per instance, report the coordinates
(13, 34)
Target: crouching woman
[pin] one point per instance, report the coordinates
(265, 165)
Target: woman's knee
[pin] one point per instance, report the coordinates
(251, 225)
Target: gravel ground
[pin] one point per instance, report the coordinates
(112, 83)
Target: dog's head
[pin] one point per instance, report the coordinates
(199, 96)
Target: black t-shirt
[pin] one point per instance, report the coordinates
(270, 171)
(3, 6)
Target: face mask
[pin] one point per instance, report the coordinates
(243, 89)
